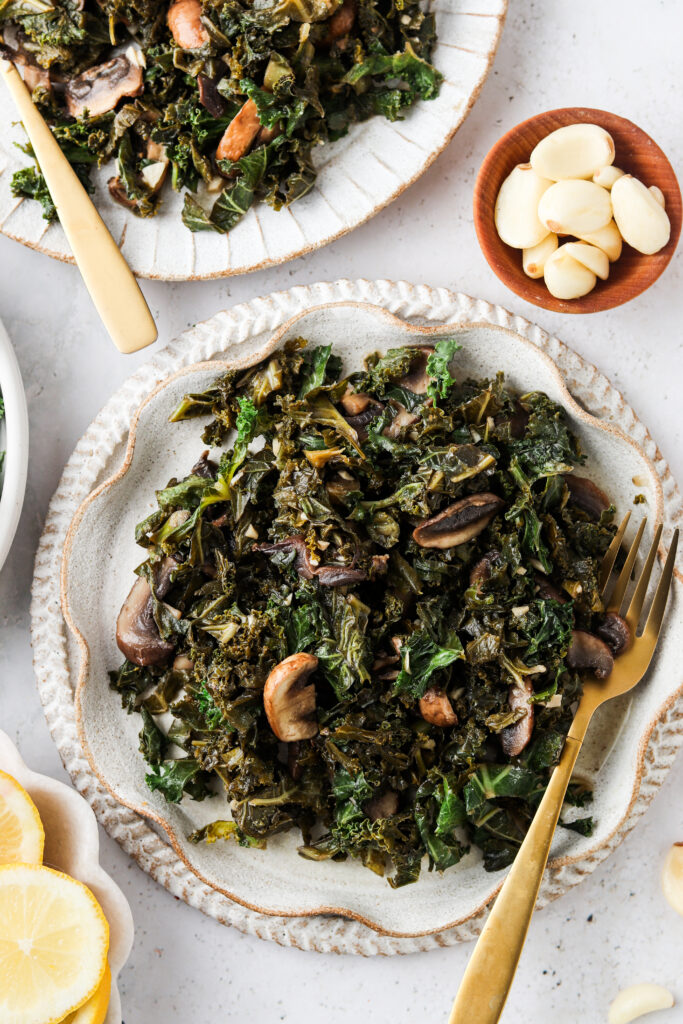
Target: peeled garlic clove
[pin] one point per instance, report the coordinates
(608, 239)
(592, 257)
(533, 259)
(659, 195)
(640, 219)
(565, 277)
(636, 1000)
(575, 151)
(516, 213)
(575, 207)
(672, 877)
(606, 176)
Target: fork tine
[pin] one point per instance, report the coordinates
(625, 574)
(611, 554)
(636, 605)
(654, 619)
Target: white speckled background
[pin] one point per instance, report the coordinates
(615, 928)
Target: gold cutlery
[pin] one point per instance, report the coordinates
(488, 977)
(110, 281)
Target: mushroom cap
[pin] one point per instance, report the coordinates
(586, 495)
(587, 651)
(616, 633)
(137, 635)
(436, 708)
(99, 89)
(515, 737)
(289, 699)
(459, 522)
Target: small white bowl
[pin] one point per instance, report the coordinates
(14, 442)
(72, 845)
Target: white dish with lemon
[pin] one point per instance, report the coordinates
(44, 820)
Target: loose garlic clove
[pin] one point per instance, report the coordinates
(640, 219)
(565, 277)
(592, 257)
(659, 195)
(516, 213)
(636, 1000)
(672, 878)
(534, 258)
(575, 151)
(608, 239)
(575, 207)
(606, 176)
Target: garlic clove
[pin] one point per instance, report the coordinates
(565, 277)
(574, 151)
(637, 1000)
(608, 239)
(592, 257)
(575, 207)
(642, 222)
(672, 878)
(533, 258)
(606, 176)
(516, 212)
(659, 195)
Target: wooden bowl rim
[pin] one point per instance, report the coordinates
(607, 294)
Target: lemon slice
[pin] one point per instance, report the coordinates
(21, 830)
(53, 944)
(95, 1010)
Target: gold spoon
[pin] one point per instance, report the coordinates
(107, 276)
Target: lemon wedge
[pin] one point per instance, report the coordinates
(21, 831)
(54, 940)
(95, 1010)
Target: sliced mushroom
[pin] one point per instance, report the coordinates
(183, 664)
(379, 565)
(616, 633)
(209, 96)
(289, 699)
(436, 708)
(35, 77)
(515, 737)
(383, 805)
(240, 133)
(418, 380)
(99, 89)
(355, 402)
(137, 635)
(185, 24)
(204, 467)
(586, 495)
(327, 575)
(401, 421)
(587, 651)
(547, 591)
(459, 522)
(517, 422)
(341, 23)
(481, 570)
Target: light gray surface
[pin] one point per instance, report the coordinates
(615, 928)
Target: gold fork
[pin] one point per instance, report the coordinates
(488, 977)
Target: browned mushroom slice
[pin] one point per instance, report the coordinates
(137, 635)
(459, 522)
(418, 380)
(359, 410)
(382, 806)
(586, 495)
(401, 421)
(436, 708)
(117, 190)
(289, 698)
(515, 737)
(99, 89)
(327, 575)
(548, 591)
(36, 77)
(341, 23)
(240, 133)
(209, 96)
(185, 24)
(616, 633)
(204, 467)
(355, 402)
(481, 570)
(589, 652)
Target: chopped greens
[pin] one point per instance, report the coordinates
(224, 100)
(300, 541)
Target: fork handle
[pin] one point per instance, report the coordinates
(488, 977)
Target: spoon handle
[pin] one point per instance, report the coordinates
(107, 276)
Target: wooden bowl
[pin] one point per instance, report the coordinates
(636, 153)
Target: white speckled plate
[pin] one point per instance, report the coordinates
(357, 176)
(437, 910)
